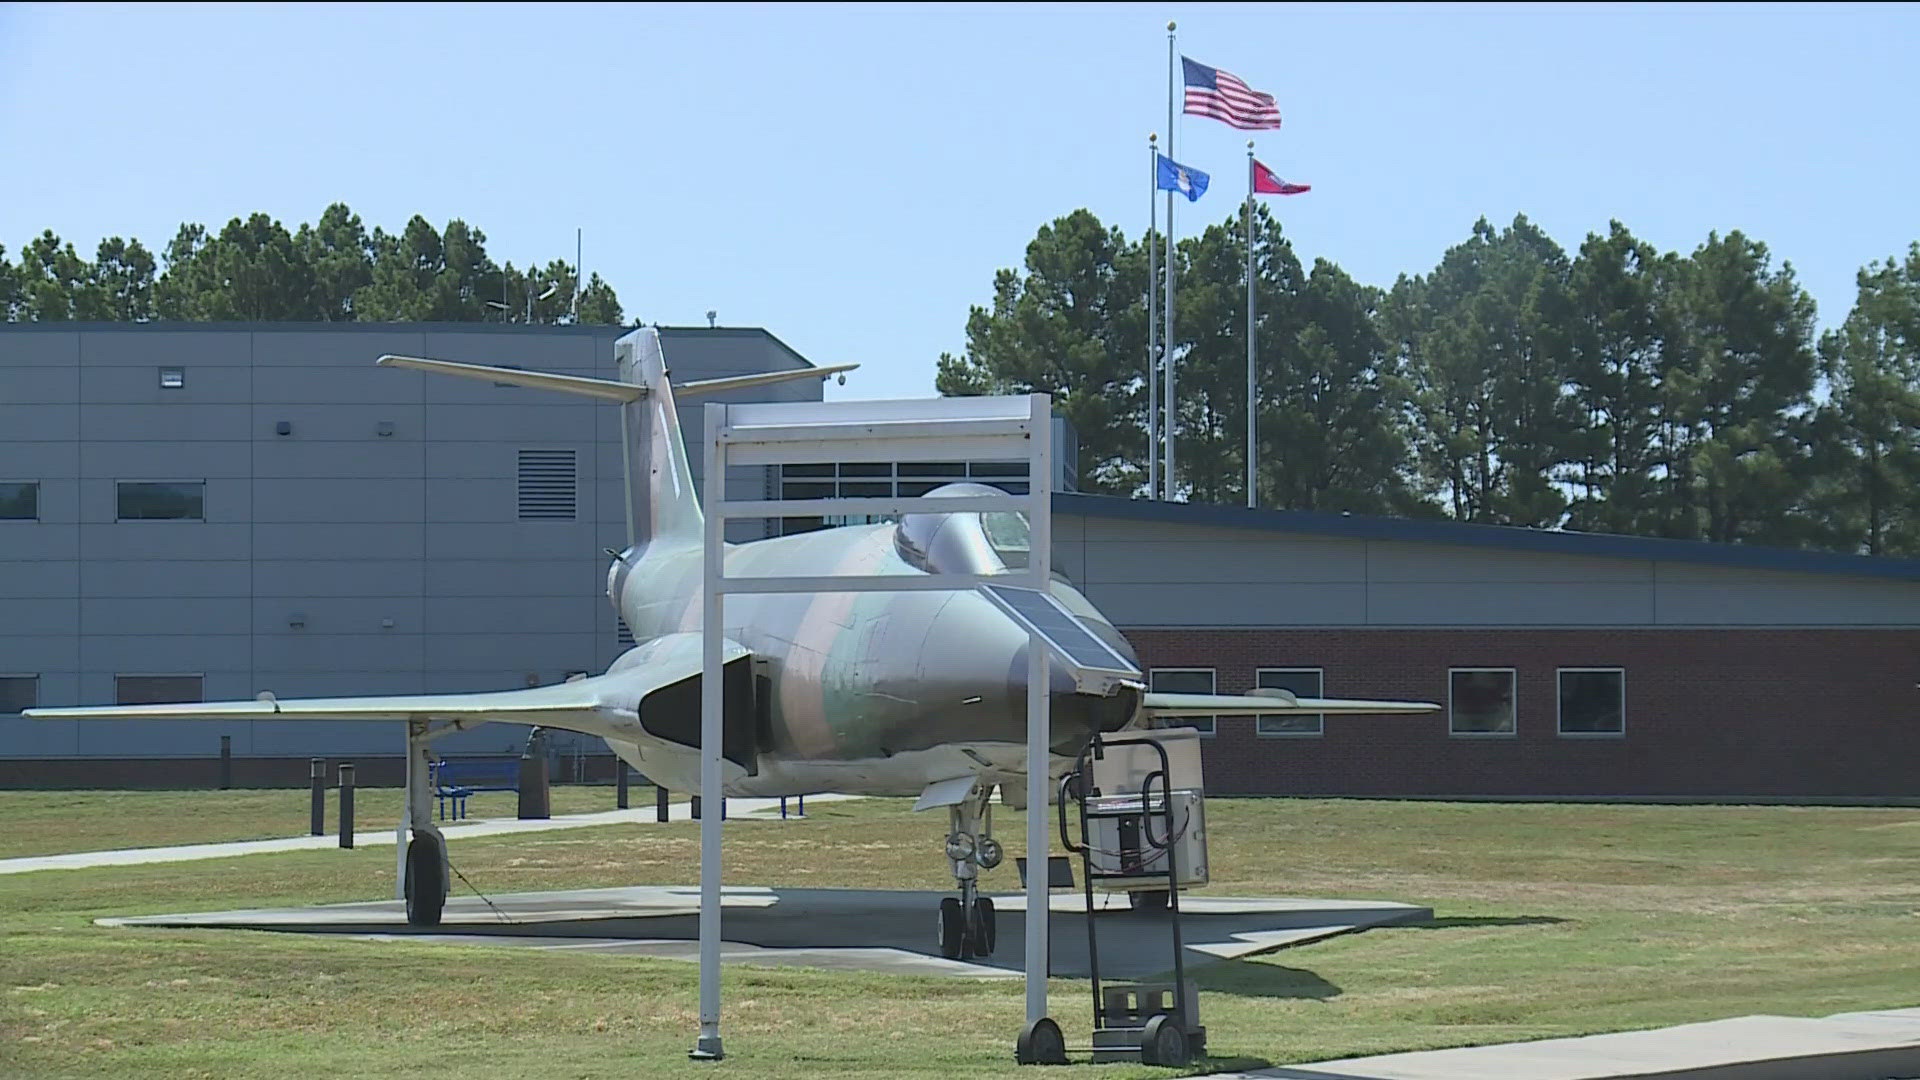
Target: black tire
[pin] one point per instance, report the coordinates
(1152, 902)
(984, 934)
(1163, 1042)
(1041, 1043)
(953, 928)
(426, 886)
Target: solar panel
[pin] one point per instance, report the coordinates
(1063, 631)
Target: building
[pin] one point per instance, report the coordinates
(208, 511)
(1569, 665)
(204, 511)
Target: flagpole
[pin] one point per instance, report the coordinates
(1173, 410)
(1253, 401)
(1153, 324)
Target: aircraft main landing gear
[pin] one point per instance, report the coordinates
(423, 867)
(966, 921)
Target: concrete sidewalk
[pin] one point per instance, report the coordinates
(751, 809)
(1849, 1046)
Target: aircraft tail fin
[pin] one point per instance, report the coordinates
(661, 498)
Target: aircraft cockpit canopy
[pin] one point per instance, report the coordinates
(968, 542)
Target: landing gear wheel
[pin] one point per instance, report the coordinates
(1162, 1042)
(983, 929)
(426, 886)
(1041, 1043)
(953, 928)
(1151, 902)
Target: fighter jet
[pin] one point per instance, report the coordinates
(915, 693)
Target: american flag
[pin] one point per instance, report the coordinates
(1215, 93)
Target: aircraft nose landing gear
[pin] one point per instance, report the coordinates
(966, 927)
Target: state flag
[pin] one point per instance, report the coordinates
(1265, 181)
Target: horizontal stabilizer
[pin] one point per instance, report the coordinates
(764, 378)
(1272, 703)
(604, 389)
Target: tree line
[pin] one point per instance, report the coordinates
(1620, 389)
(333, 270)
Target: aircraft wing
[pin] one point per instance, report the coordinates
(1272, 703)
(601, 705)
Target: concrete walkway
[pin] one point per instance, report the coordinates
(1849, 1046)
(751, 809)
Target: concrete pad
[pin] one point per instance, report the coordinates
(1855, 1046)
(848, 929)
(737, 809)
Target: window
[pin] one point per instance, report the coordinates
(155, 689)
(1593, 701)
(548, 491)
(142, 501)
(1480, 702)
(18, 692)
(1184, 681)
(20, 502)
(1302, 682)
(172, 378)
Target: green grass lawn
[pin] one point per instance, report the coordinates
(1550, 920)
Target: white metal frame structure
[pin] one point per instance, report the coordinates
(1004, 428)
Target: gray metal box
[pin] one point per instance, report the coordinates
(1118, 841)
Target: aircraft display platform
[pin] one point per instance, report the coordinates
(843, 929)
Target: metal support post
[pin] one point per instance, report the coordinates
(620, 783)
(226, 762)
(317, 780)
(1039, 723)
(659, 803)
(707, 1046)
(346, 804)
(416, 803)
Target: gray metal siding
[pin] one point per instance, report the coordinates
(335, 522)
(1146, 573)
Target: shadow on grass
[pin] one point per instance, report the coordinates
(1456, 922)
(1248, 978)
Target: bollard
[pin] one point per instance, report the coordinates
(317, 779)
(620, 783)
(346, 804)
(226, 762)
(694, 803)
(783, 808)
(659, 803)
(800, 808)
(534, 796)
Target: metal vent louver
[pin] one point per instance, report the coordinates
(548, 485)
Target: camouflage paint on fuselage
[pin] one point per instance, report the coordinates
(865, 675)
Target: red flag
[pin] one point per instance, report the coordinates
(1265, 181)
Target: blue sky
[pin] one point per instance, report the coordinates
(851, 177)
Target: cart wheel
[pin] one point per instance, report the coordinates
(1148, 903)
(953, 928)
(983, 929)
(1162, 1042)
(1041, 1043)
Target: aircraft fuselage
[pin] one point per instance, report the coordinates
(874, 693)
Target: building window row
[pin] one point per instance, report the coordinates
(1481, 702)
(886, 479)
(136, 500)
(21, 692)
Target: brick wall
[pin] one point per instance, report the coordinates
(1768, 713)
